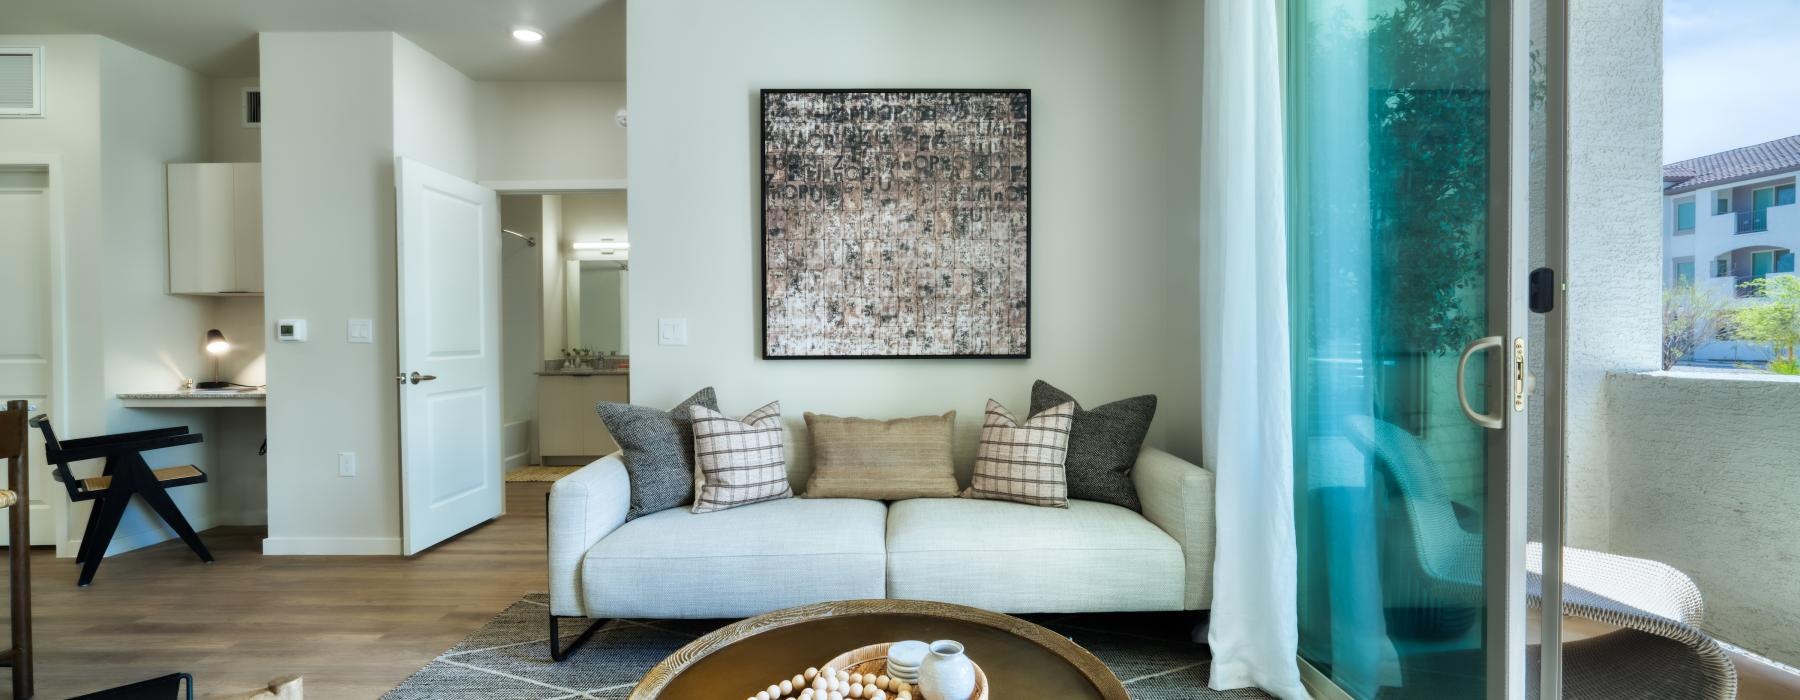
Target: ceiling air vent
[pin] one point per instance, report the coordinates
(252, 106)
(21, 81)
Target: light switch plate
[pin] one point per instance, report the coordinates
(346, 464)
(362, 330)
(671, 331)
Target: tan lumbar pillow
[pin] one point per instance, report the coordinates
(881, 459)
(1024, 462)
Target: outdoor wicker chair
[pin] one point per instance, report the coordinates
(1658, 651)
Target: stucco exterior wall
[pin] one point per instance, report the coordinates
(1703, 475)
(1615, 254)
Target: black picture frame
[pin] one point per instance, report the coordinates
(765, 180)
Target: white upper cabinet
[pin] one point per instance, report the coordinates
(215, 228)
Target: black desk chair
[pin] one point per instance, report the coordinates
(125, 474)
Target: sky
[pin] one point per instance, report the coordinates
(1729, 74)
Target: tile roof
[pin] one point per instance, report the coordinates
(1736, 164)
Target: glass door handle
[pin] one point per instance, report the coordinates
(1462, 388)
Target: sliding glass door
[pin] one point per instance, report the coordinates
(1407, 256)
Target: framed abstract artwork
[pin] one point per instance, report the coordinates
(896, 224)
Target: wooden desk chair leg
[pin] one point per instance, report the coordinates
(158, 498)
(111, 508)
(87, 534)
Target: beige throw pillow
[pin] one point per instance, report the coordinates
(1024, 462)
(738, 462)
(881, 459)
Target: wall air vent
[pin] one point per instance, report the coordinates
(253, 106)
(21, 81)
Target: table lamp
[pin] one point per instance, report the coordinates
(216, 345)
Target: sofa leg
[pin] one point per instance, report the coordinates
(559, 652)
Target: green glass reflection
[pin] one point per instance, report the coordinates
(1388, 151)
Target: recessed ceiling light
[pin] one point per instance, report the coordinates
(527, 35)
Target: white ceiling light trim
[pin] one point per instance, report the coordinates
(527, 35)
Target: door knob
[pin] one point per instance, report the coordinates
(415, 377)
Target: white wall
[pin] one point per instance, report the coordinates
(339, 107)
(521, 318)
(588, 217)
(533, 132)
(1178, 404)
(1703, 480)
(1615, 256)
(1098, 210)
(328, 230)
(232, 142)
(434, 111)
(152, 113)
(550, 238)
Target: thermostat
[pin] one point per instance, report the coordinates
(290, 330)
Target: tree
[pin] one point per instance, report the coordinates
(1691, 317)
(1775, 320)
(1428, 163)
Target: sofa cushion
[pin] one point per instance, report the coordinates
(1016, 558)
(739, 562)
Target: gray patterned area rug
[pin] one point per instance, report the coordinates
(508, 657)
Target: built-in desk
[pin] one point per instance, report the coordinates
(248, 398)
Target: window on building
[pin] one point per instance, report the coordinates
(1722, 203)
(1721, 268)
(1684, 273)
(1784, 195)
(1684, 216)
(1784, 261)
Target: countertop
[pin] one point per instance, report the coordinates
(246, 398)
(586, 372)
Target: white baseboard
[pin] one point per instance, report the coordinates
(295, 546)
(513, 463)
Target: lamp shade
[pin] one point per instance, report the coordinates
(215, 342)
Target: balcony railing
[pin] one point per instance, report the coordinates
(1754, 221)
(1743, 291)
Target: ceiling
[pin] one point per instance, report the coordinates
(584, 39)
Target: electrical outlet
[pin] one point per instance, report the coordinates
(346, 464)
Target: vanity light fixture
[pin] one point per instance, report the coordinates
(216, 345)
(602, 244)
(527, 35)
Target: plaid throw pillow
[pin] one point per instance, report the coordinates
(737, 463)
(1023, 463)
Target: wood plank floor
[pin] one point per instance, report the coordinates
(353, 626)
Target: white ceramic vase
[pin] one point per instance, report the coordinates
(947, 674)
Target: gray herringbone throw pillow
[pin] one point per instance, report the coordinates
(740, 461)
(1104, 444)
(658, 450)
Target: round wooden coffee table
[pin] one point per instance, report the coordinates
(1021, 660)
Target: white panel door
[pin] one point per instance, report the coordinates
(25, 340)
(449, 265)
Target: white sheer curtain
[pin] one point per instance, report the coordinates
(1246, 396)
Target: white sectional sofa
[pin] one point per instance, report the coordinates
(1002, 556)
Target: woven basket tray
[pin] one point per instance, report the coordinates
(873, 659)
